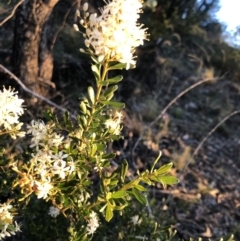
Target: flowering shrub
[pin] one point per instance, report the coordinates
(71, 176)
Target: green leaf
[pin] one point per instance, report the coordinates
(94, 59)
(120, 207)
(109, 213)
(124, 169)
(108, 156)
(168, 180)
(155, 162)
(91, 94)
(113, 184)
(83, 121)
(101, 147)
(83, 237)
(117, 66)
(114, 80)
(94, 149)
(119, 105)
(164, 169)
(110, 90)
(96, 72)
(121, 66)
(83, 107)
(140, 188)
(139, 196)
(119, 194)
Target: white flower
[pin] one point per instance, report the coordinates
(53, 211)
(43, 135)
(55, 139)
(7, 228)
(115, 33)
(136, 220)
(39, 131)
(93, 223)
(10, 108)
(113, 124)
(5, 216)
(59, 165)
(4, 233)
(43, 188)
(17, 227)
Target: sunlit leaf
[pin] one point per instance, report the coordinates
(91, 94)
(117, 66)
(139, 196)
(119, 194)
(109, 213)
(124, 169)
(114, 80)
(140, 188)
(115, 104)
(96, 72)
(83, 107)
(110, 90)
(164, 169)
(168, 180)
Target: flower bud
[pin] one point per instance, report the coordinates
(85, 7)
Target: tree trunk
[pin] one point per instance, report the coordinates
(32, 55)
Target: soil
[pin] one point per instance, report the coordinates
(206, 202)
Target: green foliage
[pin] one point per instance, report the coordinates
(61, 170)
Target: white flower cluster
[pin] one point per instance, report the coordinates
(53, 211)
(45, 163)
(93, 223)
(7, 228)
(115, 33)
(10, 111)
(113, 124)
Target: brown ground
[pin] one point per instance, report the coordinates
(206, 202)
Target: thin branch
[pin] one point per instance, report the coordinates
(25, 88)
(63, 23)
(12, 13)
(176, 98)
(169, 105)
(207, 136)
(213, 130)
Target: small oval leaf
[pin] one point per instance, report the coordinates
(96, 72)
(164, 169)
(119, 194)
(91, 94)
(114, 80)
(139, 196)
(118, 105)
(109, 213)
(168, 180)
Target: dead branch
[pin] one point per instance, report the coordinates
(24, 87)
(63, 23)
(208, 135)
(12, 13)
(213, 130)
(169, 105)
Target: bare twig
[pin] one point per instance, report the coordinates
(31, 92)
(169, 105)
(176, 98)
(211, 132)
(63, 23)
(12, 13)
